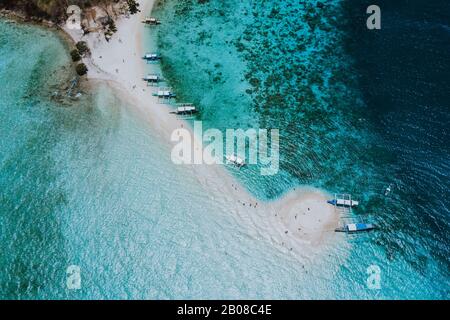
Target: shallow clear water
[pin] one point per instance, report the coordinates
(88, 183)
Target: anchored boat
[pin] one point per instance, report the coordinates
(350, 223)
(151, 57)
(356, 227)
(185, 109)
(235, 160)
(152, 78)
(164, 93)
(343, 201)
(151, 21)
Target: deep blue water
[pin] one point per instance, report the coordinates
(405, 83)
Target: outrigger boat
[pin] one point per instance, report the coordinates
(343, 202)
(185, 109)
(151, 57)
(151, 21)
(152, 78)
(355, 227)
(165, 93)
(235, 160)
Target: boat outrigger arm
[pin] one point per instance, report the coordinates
(356, 227)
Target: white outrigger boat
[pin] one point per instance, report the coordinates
(235, 160)
(151, 57)
(185, 109)
(343, 201)
(356, 227)
(151, 78)
(164, 93)
(151, 21)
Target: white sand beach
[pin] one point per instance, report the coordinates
(298, 223)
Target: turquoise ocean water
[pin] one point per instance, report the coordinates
(86, 182)
(353, 116)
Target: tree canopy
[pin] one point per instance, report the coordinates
(50, 9)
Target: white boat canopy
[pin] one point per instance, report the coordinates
(150, 20)
(151, 56)
(164, 93)
(186, 109)
(151, 77)
(345, 202)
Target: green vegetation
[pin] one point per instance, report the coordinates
(75, 54)
(54, 10)
(133, 6)
(82, 47)
(81, 69)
